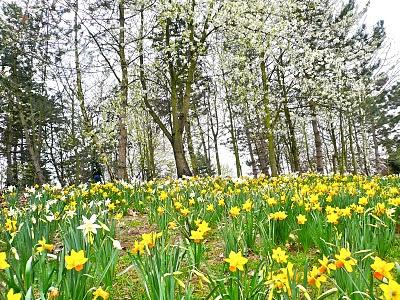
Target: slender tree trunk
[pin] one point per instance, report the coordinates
(8, 151)
(234, 141)
(317, 138)
(292, 137)
(35, 155)
(294, 152)
(215, 131)
(359, 150)
(351, 144)
(192, 155)
(261, 148)
(268, 122)
(150, 147)
(203, 142)
(367, 165)
(335, 155)
(250, 147)
(307, 147)
(376, 146)
(342, 145)
(123, 98)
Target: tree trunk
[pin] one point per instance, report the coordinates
(123, 98)
(335, 155)
(35, 156)
(307, 147)
(342, 145)
(192, 155)
(214, 131)
(261, 148)
(268, 123)
(234, 141)
(150, 147)
(351, 144)
(317, 138)
(376, 147)
(182, 167)
(8, 150)
(250, 147)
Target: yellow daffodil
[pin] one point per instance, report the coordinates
(326, 266)
(382, 269)
(236, 261)
(76, 260)
(3, 262)
(42, 246)
(160, 210)
(172, 225)
(316, 278)
(301, 219)
(138, 248)
(333, 218)
(203, 227)
(197, 236)
(234, 211)
(99, 292)
(248, 205)
(279, 255)
(391, 291)
(344, 259)
(13, 296)
(11, 225)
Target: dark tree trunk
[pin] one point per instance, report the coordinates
(317, 139)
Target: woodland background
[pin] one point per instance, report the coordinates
(153, 88)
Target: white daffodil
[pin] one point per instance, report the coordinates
(89, 225)
(117, 244)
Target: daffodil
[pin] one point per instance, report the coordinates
(3, 262)
(197, 236)
(333, 218)
(89, 226)
(247, 206)
(160, 210)
(149, 239)
(301, 219)
(326, 266)
(279, 255)
(210, 207)
(11, 225)
(391, 291)
(234, 211)
(236, 261)
(42, 246)
(172, 225)
(344, 259)
(76, 260)
(203, 227)
(163, 195)
(13, 296)
(138, 248)
(382, 269)
(316, 278)
(185, 211)
(99, 292)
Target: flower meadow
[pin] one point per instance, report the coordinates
(287, 237)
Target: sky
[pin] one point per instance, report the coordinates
(388, 11)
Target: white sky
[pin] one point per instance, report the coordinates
(388, 11)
